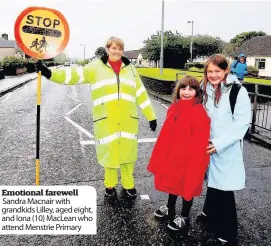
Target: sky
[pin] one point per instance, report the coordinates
(92, 22)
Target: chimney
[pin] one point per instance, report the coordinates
(5, 36)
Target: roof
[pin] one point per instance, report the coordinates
(7, 43)
(132, 54)
(256, 46)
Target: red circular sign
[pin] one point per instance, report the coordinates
(41, 33)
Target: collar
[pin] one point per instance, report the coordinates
(125, 60)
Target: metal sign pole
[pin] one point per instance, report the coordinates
(38, 130)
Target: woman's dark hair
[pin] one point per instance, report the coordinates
(190, 81)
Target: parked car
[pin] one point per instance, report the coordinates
(66, 64)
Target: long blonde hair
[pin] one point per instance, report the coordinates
(222, 62)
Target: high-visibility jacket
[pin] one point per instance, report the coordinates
(115, 98)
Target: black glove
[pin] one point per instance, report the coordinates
(45, 71)
(153, 125)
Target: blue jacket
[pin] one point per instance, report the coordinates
(226, 169)
(240, 70)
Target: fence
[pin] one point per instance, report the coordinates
(261, 109)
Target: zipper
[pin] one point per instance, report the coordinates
(118, 79)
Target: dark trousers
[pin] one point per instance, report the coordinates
(220, 209)
(172, 203)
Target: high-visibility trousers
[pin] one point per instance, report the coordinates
(126, 175)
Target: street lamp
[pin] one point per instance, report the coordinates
(191, 42)
(84, 51)
(162, 39)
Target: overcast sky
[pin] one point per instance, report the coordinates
(92, 22)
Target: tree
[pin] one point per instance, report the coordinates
(61, 58)
(176, 49)
(239, 39)
(100, 52)
(206, 45)
(228, 49)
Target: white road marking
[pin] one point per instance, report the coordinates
(79, 127)
(160, 103)
(81, 139)
(74, 108)
(147, 140)
(74, 99)
(7, 97)
(144, 140)
(74, 91)
(90, 142)
(72, 94)
(156, 101)
(144, 197)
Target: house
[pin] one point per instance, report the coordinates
(9, 47)
(136, 58)
(258, 54)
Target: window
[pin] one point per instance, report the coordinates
(260, 63)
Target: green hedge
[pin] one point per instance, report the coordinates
(252, 71)
(195, 69)
(83, 62)
(11, 64)
(193, 64)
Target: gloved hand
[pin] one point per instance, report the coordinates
(45, 71)
(153, 125)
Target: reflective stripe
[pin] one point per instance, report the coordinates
(127, 97)
(113, 97)
(128, 135)
(68, 75)
(105, 99)
(145, 104)
(108, 139)
(102, 83)
(80, 72)
(140, 91)
(115, 136)
(105, 82)
(128, 82)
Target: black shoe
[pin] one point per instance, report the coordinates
(110, 192)
(217, 242)
(178, 223)
(203, 219)
(161, 212)
(131, 192)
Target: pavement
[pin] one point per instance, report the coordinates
(65, 160)
(13, 82)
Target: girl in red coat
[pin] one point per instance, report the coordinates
(179, 159)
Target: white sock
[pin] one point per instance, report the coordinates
(203, 214)
(222, 240)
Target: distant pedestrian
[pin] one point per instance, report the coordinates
(239, 67)
(179, 159)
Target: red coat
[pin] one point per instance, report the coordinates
(179, 160)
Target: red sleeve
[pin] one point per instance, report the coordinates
(161, 143)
